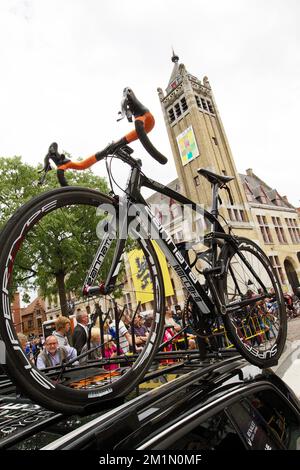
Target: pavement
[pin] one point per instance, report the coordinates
(288, 368)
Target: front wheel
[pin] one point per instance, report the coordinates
(47, 249)
(255, 317)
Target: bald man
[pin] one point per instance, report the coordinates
(53, 355)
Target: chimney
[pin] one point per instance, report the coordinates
(249, 172)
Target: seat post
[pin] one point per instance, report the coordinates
(214, 208)
(215, 213)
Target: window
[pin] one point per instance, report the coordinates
(198, 101)
(264, 228)
(171, 115)
(215, 140)
(293, 229)
(177, 110)
(215, 433)
(282, 423)
(184, 105)
(210, 107)
(251, 427)
(279, 229)
(204, 104)
(237, 215)
(197, 180)
(277, 266)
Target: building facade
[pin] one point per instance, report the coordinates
(33, 316)
(198, 140)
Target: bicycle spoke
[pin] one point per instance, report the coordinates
(53, 256)
(255, 311)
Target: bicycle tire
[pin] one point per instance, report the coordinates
(258, 330)
(16, 240)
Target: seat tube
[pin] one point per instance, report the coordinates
(215, 213)
(214, 209)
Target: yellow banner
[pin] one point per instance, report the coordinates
(141, 276)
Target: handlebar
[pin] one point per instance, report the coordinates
(147, 144)
(144, 123)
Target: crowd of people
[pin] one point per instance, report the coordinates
(99, 340)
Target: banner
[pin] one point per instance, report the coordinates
(141, 276)
(187, 145)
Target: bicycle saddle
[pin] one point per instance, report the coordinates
(214, 178)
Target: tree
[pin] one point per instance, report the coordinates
(56, 254)
(18, 184)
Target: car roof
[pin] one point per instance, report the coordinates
(177, 391)
(128, 426)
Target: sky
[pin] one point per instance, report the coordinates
(64, 64)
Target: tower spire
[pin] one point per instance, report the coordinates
(174, 57)
(175, 71)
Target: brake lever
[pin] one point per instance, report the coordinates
(47, 167)
(41, 181)
(125, 111)
(58, 159)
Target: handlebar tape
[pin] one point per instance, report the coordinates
(83, 165)
(143, 124)
(148, 122)
(61, 178)
(141, 132)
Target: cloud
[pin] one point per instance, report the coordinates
(22, 9)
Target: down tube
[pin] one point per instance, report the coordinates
(176, 260)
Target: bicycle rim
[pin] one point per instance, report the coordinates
(256, 327)
(48, 245)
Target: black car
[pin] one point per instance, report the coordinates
(219, 404)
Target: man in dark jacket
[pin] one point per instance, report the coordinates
(80, 333)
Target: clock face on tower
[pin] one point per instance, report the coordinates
(187, 145)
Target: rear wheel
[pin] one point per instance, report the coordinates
(47, 248)
(256, 316)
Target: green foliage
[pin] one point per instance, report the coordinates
(56, 254)
(19, 183)
(16, 185)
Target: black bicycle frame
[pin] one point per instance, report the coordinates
(137, 205)
(165, 242)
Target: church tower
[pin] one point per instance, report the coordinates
(198, 139)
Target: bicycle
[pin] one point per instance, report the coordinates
(237, 274)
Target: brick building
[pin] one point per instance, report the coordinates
(33, 316)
